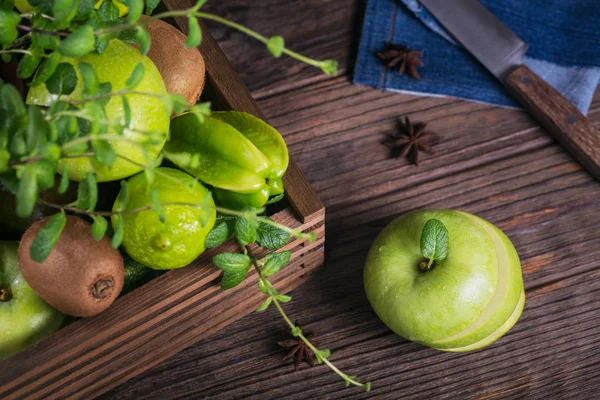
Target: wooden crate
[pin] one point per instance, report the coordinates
(177, 309)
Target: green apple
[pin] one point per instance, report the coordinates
(464, 302)
(24, 317)
(148, 113)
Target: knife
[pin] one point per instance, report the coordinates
(501, 51)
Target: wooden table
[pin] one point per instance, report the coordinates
(491, 161)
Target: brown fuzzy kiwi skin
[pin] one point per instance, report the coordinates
(182, 69)
(81, 277)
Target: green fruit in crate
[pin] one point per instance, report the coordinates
(240, 156)
(178, 240)
(24, 317)
(465, 302)
(148, 113)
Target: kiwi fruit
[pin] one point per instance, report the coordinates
(81, 276)
(182, 69)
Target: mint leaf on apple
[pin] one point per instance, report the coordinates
(434, 241)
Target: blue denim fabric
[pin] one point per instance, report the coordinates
(563, 37)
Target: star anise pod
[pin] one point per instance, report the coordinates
(298, 348)
(405, 59)
(410, 138)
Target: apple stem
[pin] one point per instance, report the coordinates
(426, 265)
(5, 295)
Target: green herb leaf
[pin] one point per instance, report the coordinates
(329, 67)
(275, 261)
(178, 102)
(156, 206)
(29, 63)
(322, 355)
(232, 279)
(27, 192)
(8, 27)
(78, 43)
(37, 128)
(47, 69)
(91, 85)
(222, 231)
(275, 199)
(123, 197)
(104, 152)
(99, 227)
(117, 237)
(283, 298)
(151, 5)
(232, 262)
(194, 33)
(143, 38)
(201, 111)
(434, 240)
(266, 287)
(136, 76)
(108, 11)
(296, 331)
(87, 192)
(85, 8)
(136, 8)
(51, 152)
(64, 179)
(47, 237)
(265, 305)
(245, 231)
(126, 111)
(11, 101)
(44, 174)
(271, 237)
(64, 11)
(275, 45)
(63, 80)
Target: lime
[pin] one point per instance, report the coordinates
(148, 113)
(180, 239)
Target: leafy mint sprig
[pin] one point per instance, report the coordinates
(235, 267)
(434, 243)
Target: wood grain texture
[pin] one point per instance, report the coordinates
(181, 307)
(560, 118)
(495, 162)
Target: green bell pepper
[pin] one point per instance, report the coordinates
(240, 156)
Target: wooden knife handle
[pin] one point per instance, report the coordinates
(560, 118)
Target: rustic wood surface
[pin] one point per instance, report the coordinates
(491, 161)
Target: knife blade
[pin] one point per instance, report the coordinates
(501, 51)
